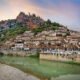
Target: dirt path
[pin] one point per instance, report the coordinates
(10, 73)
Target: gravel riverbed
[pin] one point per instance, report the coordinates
(11, 73)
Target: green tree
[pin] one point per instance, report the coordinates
(56, 24)
(37, 30)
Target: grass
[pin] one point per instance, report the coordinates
(41, 68)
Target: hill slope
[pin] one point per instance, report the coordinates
(12, 28)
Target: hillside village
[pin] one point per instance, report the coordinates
(49, 39)
(59, 41)
(46, 42)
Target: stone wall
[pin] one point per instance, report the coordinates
(60, 57)
(18, 52)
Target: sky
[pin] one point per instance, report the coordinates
(66, 12)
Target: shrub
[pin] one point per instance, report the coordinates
(9, 54)
(1, 54)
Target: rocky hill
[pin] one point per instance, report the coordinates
(23, 22)
(31, 21)
(7, 24)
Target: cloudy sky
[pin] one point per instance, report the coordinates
(66, 12)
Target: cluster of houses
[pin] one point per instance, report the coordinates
(48, 43)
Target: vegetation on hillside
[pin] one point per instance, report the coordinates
(52, 25)
(48, 25)
(11, 33)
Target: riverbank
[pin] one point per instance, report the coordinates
(67, 77)
(41, 68)
(10, 73)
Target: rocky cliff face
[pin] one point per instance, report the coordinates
(31, 21)
(7, 24)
